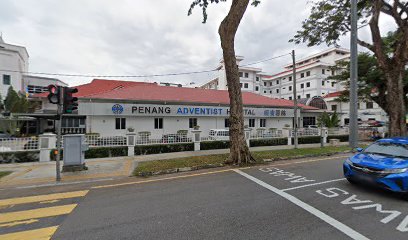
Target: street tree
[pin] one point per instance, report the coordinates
(330, 19)
(239, 150)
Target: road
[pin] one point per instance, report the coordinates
(297, 199)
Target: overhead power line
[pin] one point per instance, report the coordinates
(134, 76)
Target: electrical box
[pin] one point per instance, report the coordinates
(74, 152)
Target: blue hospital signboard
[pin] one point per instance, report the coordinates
(178, 110)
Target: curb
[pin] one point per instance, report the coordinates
(208, 166)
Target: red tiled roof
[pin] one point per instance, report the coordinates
(139, 91)
(333, 94)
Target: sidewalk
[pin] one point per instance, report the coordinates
(103, 168)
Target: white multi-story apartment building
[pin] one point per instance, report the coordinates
(250, 78)
(13, 62)
(311, 77)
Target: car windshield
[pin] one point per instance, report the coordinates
(388, 149)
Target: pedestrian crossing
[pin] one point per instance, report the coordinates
(35, 217)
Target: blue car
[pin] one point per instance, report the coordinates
(384, 163)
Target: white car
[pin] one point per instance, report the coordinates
(219, 134)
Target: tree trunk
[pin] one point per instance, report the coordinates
(395, 98)
(239, 151)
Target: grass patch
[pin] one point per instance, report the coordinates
(197, 162)
(3, 174)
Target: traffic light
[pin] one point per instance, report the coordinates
(54, 94)
(70, 102)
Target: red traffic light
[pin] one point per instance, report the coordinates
(54, 94)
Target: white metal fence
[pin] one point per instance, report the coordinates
(18, 144)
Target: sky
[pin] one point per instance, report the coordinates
(144, 37)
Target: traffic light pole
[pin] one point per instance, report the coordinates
(295, 126)
(59, 137)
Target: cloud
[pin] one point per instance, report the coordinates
(127, 37)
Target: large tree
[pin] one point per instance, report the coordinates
(330, 19)
(239, 150)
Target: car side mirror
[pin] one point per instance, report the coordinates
(359, 149)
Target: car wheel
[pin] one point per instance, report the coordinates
(351, 180)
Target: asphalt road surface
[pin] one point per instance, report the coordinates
(298, 199)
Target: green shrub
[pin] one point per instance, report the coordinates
(268, 142)
(19, 157)
(307, 140)
(163, 148)
(209, 145)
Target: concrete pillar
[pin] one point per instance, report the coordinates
(196, 139)
(131, 142)
(287, 132)
(324, 135)
(247, 136)
(46, 143)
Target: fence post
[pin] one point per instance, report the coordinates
(324, 133)
(286, 132)
(46, 142)
(247, 136)
(196, 139)
(130, 143)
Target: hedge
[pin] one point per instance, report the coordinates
(19, 157)
(268, 142)
(209, 145)
(163, 148)
(342, 138)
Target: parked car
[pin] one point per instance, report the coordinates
(219, 134)
(31, 144)
(384, 163)
(312, 126)
(109, 141)
(5, 136)
(175, 138)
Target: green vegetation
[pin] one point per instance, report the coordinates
(200, 162)
(3, 174)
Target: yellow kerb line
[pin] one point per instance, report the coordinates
(36, 213)
(37, 234)
(42, 198)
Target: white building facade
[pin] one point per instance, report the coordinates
(13, 62)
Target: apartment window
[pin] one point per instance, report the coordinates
(299, 96)
(257, 78)
(277, 90)
(256, 88)
(262, 123)
(192, 122)
(323, 83)
(308, 74)
(158, 123)
(290, 79)
(246, 85)
(120, 123)
(226, 123)
(333, 84)
(240, 85)
(308, 95)
(370, 105)
(290, 88)
(302, 85)
(333, 73)
(302, 75)
(277, 81)
(252, 122)
(290, 98)
(323, 71)
(246, 75)
(6, 79)
(308, 84)
(265, 84)
(358, 105)
(241, 74)
(334, 107)
(270, 84)
(309, 121)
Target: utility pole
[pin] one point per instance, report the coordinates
(353, 78)
(59, 114)
(295, 100)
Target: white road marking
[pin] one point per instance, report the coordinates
(313, 184)
(333, 222)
